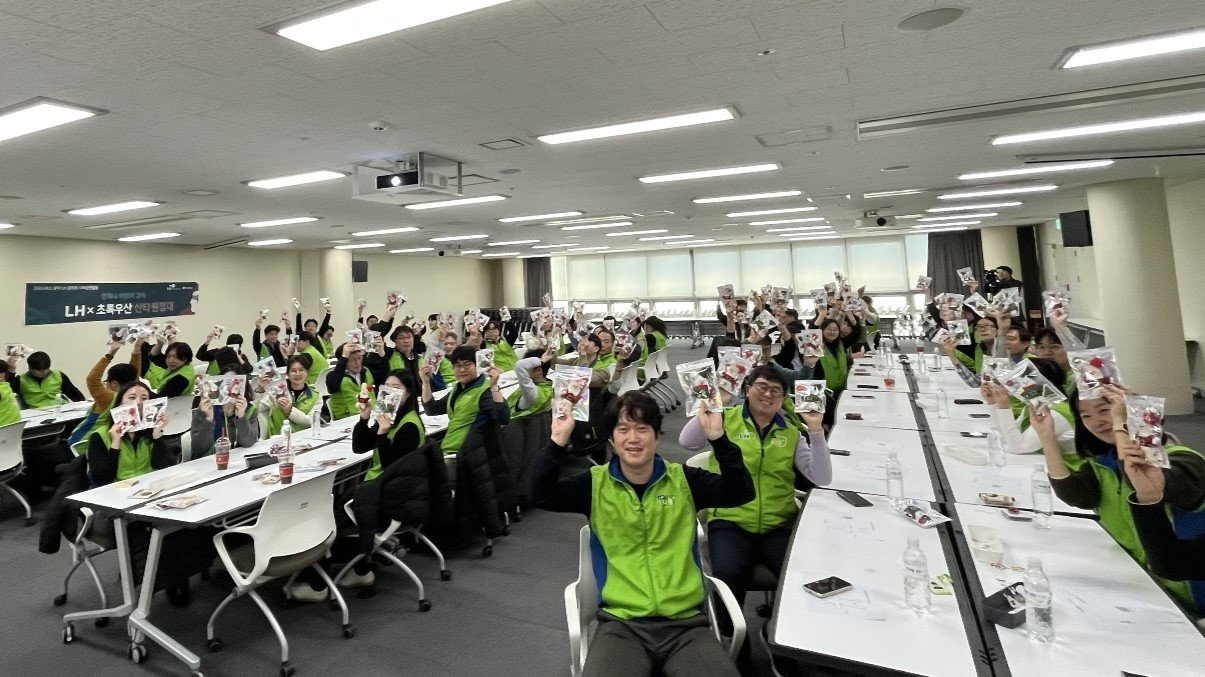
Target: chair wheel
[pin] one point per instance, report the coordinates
(764, 610)
(137, 653)
(445, 575)
(60, 600)
(196, 673)
(348, 632)
(68, 633)
(332, 603)
(30, 521)
(506, 530)
(487, 551)
(287, 670)
(102, 622)
(424, 605)
(518, 517)
(214, 645)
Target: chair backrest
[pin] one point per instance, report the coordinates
(179, 415)
(699, 460)
(582, 613)
(10, 446)
(628, 380)
(293, 519)
(320, 385)
(661, 366)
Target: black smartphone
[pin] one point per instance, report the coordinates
(853, 416)
(827, 587)
(977, 436)
(867, 386)
(855, 499)
(862, 397)
(968, 400)
(979, 415)
(839, 452)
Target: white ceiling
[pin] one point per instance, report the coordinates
(201, 98)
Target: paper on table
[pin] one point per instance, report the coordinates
(873, 469)
(850, 402)
(853, 525)
(1112, 607)
(856, 603)
(995, 482)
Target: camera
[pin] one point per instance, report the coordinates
(991, 281)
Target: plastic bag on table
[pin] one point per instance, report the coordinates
(698, 381)
(1144, 418)
(920, 513)
(180, 501)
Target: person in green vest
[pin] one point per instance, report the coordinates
(402, 355)
(270, 345)
(235, 420)
(642, 514)
(1168, 554)
(983, 338)
(1017, 343)
(322, 333)
(588, 350)
(294, 405)
(501, 338)
(40, 386)
(534, 395)
(1048, 344)
(116, 453)
(345, 381)
(474, 398)
(103, 381)
(170, 373)
(1092, 478)
(446, 375)
(1012, 416)
(835, 362)
(307, 344)
(870, 322)
(10, 409)
(654, 331)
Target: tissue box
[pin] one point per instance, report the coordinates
(985, 544)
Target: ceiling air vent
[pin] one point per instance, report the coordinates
(502, 144)
(808, 135)
(183, 217)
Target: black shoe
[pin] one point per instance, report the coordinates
(179, 595)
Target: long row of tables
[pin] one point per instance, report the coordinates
(1110, 617)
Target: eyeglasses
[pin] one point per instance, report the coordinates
(766, 389)
(463, 365)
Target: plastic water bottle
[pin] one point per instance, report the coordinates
(316, 421)
(1039, 616)
(286, 433)
(922, 365)
(916, 577)
(995, 449)
(943, 404)
(895, 478)
(1043, 498)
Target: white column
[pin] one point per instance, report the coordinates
(1000, 248)
(1140, 304)
(514, 283)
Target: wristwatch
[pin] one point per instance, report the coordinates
(1123, 428)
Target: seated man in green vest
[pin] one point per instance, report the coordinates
(307, 344)
(41, 386)
(1016, 343)
(588, 349)
(402, 355)
(642, 512)
(474, 399)
(170, 372)
(10, 409)
(534, 395)
(347, 378)
(270, 345)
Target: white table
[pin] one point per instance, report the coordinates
(51, 421)
(1109, 615)
(864, 469)
(869, 624)
(879, 409)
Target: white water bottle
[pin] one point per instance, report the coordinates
(943, 404)
(895, 478)
(1039, 615)
(316, 421)
(1043, 497)
(286, 432)
(922, 366)
(995, 449)
(916, 577)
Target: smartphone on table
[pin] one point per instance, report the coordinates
(827, 587)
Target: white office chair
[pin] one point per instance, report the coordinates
(628, 380)
(652, 377)
(320, 385)
(665, 379)
(12, 464)
(386, 546)
(84, 547)
(294, 530)
(179, 422)
(581, 608)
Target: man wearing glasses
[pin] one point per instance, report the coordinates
(474, 398)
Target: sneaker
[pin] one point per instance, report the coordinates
(302, 592)
(354, 580)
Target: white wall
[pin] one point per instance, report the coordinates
(514, 283)
(1072, 267)
(1000, 248)
(235, 283)
(1185, 207)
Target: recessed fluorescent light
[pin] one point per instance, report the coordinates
(454, 238)
(267, 243)
(666, 237)
(109, 209)
(988, 192)
(803, 238)
(38, 114)
(945, 223)
(296, 179)
(386, 231)
(778, 222)
(371, 19)
(457, 202)
(700, 243)
(6, 226)
(825, 232)
(652, 231)
(892, 193)
(149, 236)
(587, 249)
(551, 246)
(1134, 48)
(510, 242)
(278, 222)
(750, 196)
(764, 212)
(955, 217)
(590, 219)
(910, 216)
(1105, 128)
(471, 251)
(710, 173)
(619, 251)
(690, 243)
(366, 245)
(963, 208)
(496, 254)
(623, 129)
(593, 226)
(939, 230)
(412, 250)
(538, 217)
(1040, 169)
(796, 229)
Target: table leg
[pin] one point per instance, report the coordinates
(126, 571)
(139, 623)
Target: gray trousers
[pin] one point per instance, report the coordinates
(644, 647)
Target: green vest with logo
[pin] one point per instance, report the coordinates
(398, 361)
(39, 395)
(318, 365)
(158, 376)
(411, 417)
(325, 347)
(542, 404)
(504, 355)
(836, 368)
(343, 401)
(463, 407)
(134, 458)
(644, 548)
(771, 462)
(447, 372)
(9, 411)
(606, 361)
(975, 362)
(305, 402)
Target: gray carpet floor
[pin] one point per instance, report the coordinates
(498, 616)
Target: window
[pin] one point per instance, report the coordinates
(626, 277)
(669, 310)
(766, 266)
(878, 264)
(587, 277)
(669, 274)
(917, 249)
(715, 266)
(814, 265)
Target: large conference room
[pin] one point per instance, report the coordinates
(791, 338)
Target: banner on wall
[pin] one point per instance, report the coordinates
(63, 303)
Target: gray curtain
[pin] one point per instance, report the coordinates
(950, 251)
(539, 279)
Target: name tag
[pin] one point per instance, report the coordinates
(666, 500)
(744, 436)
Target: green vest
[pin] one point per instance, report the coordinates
(410, 417)
(305, 402)
(398, 361)
(9, 411)
(772, 465)
(263, 351)
(317, 367)
(644, 549)
(975, 363)
(158, 376)
(325, 347)
(40, 395)
(463, 406)
(658, 344)
(542, 404)
(836, 367)
(504, 355)
(1116, 518)
(606, 361)
(872, 328)
(1021, 412)
(343, 401)
(213, 369)
(132, 460)
(447, 372)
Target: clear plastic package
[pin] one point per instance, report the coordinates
(764, 323)
(698, 381)
(751, 352)
(504, 313)
(180, 501)
(726, 292)
(265, 367)
(960, 331)
(1056, 299)
(355, 336)
(923, 283)
(485, 359)
(952, 301)
(920, 513)
(152, 413)
(1144, 418)
(389, 399)
(395, 298)
(1006, 302)
(966, 275)
(1093, 369)
(976, 303)
(810, 396)
(732, 371)
(435, 355)
(1027, 384)
(810, 342)
(571, 393)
